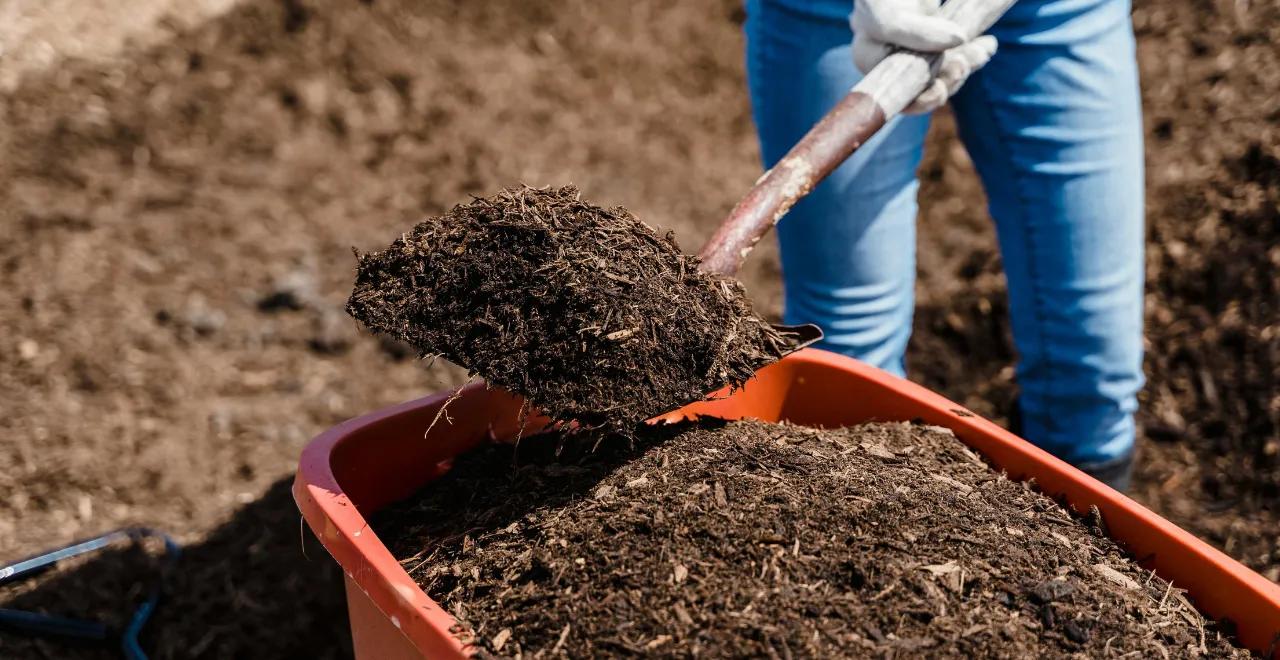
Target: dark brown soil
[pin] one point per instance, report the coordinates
(178, 217)
(759, 540)
(587, 312)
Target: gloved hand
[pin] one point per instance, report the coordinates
(879, 25)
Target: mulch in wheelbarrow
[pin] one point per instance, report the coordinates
(754, 539)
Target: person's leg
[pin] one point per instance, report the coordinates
(1054, 126)
(848, 249)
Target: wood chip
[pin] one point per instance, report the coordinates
(950, 574)
(941, 569)
(680, 573)
(657, 641)
(500, 639)
(619, 335)
(722, 498)
(878, 450)
(962, 487)
(617, 278)
(1116, 577)
(564, 635)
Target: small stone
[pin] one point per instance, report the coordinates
(1047, 616)
(204, 320)
(1076, 632)
(278, 301)
(28, 349)
(1049, 591)
(332, 333)
(289, 294)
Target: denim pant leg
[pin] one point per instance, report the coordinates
(848, 249)
(1054, 126)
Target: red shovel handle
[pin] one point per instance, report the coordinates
(880, 95)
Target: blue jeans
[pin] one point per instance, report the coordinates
(1053, 124)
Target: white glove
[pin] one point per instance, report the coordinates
(880, 25)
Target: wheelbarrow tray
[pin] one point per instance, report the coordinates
(364, 464)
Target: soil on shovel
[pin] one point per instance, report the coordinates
(753, 539)
(586, 312)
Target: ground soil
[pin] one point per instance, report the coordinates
(586, 312)
(182, 185)
(749, 539)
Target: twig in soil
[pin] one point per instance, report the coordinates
(564, 634)
(444, 406)
(302, 536)
(883, 592)
(521, 418)
(424, 562)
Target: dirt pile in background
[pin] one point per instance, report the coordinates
(1212, 404)
(1210, 461)
(586, 312)
(761, 540)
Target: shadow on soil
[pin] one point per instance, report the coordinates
(248, 590)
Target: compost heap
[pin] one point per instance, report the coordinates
(585, 311)
(751, 539)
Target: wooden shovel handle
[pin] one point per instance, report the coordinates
(883, 93)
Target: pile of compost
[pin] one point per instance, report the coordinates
(585, 311)
(753, 539)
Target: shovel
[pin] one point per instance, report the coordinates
(885, 91)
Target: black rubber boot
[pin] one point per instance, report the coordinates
(1117, 472)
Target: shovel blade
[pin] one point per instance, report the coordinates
(799, 336)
